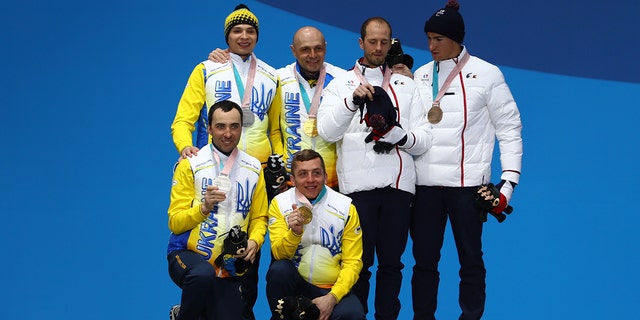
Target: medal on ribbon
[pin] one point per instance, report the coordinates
(306, 214)
(223, 183)
(435, 113)
(310, 127)
(248, 118)
(304, 207)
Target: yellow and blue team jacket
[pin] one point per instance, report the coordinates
(247, 203)
(329, 252)
(210, 82)
(290, 112)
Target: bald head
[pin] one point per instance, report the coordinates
(309, 49)
(306, 33)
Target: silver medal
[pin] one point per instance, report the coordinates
(248, 118)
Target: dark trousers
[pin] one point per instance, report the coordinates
(432, 206)
(250, 289)
(283, 280)
(384, 218)
(204, 296)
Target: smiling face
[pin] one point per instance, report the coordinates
(242, 39)
(442, 47)
(309, 48)
(225, 129)
(309, 177)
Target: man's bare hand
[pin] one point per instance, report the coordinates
(362, 92)
(295, 220)
(212, 196)
(251, 251)
(325, 304)
(402, 69)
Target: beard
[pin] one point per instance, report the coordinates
(374, 61)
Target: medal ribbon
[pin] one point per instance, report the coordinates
(385, 80)
(245, 91)
(224, 174)
(228, 164)
(303, 200)
(312, 109)
(447, 82)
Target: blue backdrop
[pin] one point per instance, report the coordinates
(89, 90)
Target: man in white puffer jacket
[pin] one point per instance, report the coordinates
(380, 184)
(474, 110)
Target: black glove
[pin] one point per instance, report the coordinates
(383, 147)
(275, 175)
(490, 201)
(297, 308)
(359, 102)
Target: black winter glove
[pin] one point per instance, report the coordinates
(383, 147)
(297, 308)
(490, 201)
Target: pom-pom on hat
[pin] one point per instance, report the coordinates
(240, 15)
(447, 22)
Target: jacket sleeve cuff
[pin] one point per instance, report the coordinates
(511, 175)
(411, 141)
(336, 294)
(349, 105)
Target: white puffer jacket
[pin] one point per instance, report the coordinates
(477, 108)
(359, 167)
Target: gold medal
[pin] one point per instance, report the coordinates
(310, 128)
(247, 117)
(435, 113)
(306, 214)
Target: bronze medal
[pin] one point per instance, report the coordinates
(310, 128)
(435, 113)
(306, 214)
(248, 118)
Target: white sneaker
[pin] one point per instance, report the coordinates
(173, 313)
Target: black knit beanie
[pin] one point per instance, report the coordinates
(240, 15)
(447, 22)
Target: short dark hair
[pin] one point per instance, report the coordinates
(226, 106)
(381, 20)
(306, 155)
